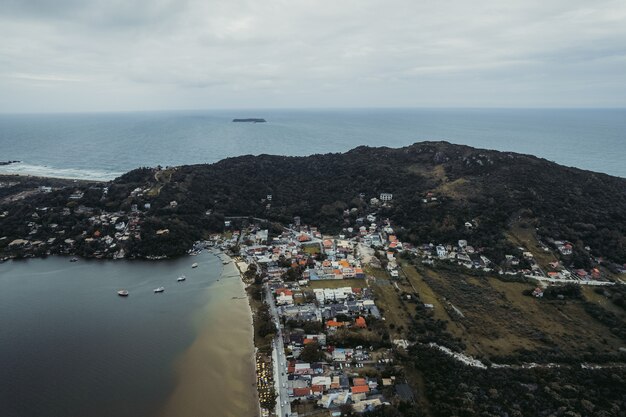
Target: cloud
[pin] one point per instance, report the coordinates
(142, 54)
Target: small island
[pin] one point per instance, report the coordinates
(250, 120)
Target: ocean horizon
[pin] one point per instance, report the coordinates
(102, 146)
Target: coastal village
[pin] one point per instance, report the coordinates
(331, 352)
(328, 343)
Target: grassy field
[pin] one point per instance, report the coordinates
(497, 319)
(312, 249)
(526, 237)
(338, 283)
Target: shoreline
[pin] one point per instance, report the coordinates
(260, 359)
(219, 364)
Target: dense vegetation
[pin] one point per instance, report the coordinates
(461, 184)
(457, 389)
(487, 187)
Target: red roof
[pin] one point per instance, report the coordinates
(360, 322)
(284, 291)
(317, 388)
(360, 389)
(301, 392)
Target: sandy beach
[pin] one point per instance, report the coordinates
(216, 374)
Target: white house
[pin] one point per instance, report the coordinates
(384, 197)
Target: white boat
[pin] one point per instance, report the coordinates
(194, 265)
(181, 278)
(160, 289)
(122, 293)
(74, 259)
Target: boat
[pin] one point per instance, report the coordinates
(181, 278)
(122, 293)
(160, 289)
(225, 262)
(74, 259)
(194, 265)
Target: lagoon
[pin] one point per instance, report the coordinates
(70, 346)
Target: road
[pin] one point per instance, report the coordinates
(283, 406)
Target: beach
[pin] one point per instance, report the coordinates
(223, 388)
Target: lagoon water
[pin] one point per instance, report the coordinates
(70, 346)
(102, 146)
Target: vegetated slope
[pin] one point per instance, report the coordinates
(488, 187)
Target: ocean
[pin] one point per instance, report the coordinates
(105, 145)
(70, 346)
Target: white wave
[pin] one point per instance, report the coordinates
(21, 168)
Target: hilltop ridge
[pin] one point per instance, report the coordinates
(437, 187)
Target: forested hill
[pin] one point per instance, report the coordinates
(488, 187)
(437, 187)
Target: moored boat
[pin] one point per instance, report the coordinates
(181, 278)
(74, 259)
(122, 293)
(194, 265)
(160, 289)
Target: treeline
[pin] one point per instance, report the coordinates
(454, 389)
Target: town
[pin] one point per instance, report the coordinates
(330, 350)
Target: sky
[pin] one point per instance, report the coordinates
(127, 55)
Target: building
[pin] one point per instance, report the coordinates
(384, 197)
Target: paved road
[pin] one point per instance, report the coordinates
(283, 406)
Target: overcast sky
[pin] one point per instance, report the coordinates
(92, 55)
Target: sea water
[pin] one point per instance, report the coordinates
(105, 145)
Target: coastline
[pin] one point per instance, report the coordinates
(203, 384)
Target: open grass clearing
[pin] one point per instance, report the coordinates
(338, 283)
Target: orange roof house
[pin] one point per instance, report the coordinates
(301, 392)
(360, 389)
(333, 323)
(360, 323)
(317, 388)
(284, 291)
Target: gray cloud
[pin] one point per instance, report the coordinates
(131, 55)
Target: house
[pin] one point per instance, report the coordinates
(301, 393)
(284, 296)
(302, 369)
(384, 197)
(565, 249)
(441, 251)
(173, 204)
(323, 381)
(361, 389)
(360, 323)
(359, 382)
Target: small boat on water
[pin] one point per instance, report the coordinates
(194, 265)
(74, 259)
(122, 293)
(158, 290)
(225, 262)
(181, 278)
